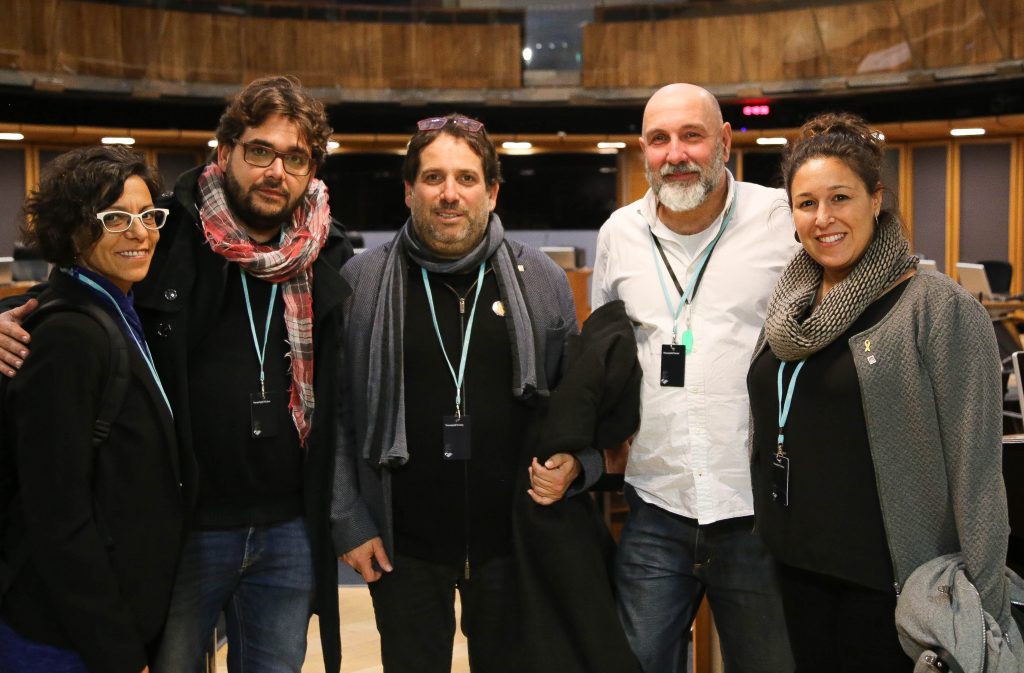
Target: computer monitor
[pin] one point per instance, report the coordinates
(973, 279)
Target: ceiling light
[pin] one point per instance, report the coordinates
(332, 145)
(771, 141)
(611, 146)
(967, 132)
(12, 136)
(212, 143)
(516, 145)
(118, 140)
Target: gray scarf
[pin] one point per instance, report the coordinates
(793, 337)
(386, 440)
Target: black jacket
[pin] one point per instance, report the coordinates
(564, 550)
(103, 526)
(185, 284)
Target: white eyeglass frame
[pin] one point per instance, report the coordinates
(131, 219)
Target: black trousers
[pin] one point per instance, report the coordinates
(839, 626)
(414, 607)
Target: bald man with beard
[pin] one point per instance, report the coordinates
(695, 261)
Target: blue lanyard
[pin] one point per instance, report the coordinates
(784, 405)
(261, 351)
(141, 345)
(465, 344)
(691, 287)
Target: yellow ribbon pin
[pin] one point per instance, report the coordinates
(867, 345)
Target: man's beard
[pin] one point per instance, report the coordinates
(681, 198)
(446, 243)
(242, 205)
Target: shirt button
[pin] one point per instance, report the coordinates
(170, 294)
(163, 329)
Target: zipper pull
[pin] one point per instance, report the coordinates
(465, 570)
(462, 306)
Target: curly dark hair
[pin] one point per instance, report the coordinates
(282, 95)
(478, 141)
(61, 213)
(842, 136)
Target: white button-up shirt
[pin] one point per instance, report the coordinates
(690, 456)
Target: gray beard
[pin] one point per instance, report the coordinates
(682, 198)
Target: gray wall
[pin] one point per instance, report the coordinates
(12, 195)
(984, 202)
(929, 164)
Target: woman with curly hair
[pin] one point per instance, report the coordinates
(94, 526)
(876, 401)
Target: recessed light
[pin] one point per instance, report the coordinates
(118, 140)
(771, 141)
(12, 136)
(516, 145)
(333, 145)
(212, 143)
(967, 132)
(611, 146)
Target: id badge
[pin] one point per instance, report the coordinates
(780, 480)
(263, 414)
(456, 438)
(673, 365)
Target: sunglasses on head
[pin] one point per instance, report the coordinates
(435, 123)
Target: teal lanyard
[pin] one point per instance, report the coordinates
(261, 351)
(785, 405)
(461, 376)
(141, 345)
(691, 287)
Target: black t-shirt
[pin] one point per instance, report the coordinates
(450, 510)
(833, 524)
(243, 480)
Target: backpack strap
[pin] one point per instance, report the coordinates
(111, 400)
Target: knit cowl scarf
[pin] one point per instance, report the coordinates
(795, 335)
(386, 442)
(289, 264)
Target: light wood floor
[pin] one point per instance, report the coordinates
(360, 644)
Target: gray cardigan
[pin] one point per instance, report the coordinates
(929, 377)
(361, 506)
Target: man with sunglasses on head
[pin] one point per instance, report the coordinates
(452, 330)
(242, 311)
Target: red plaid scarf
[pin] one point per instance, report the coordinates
(290, 264)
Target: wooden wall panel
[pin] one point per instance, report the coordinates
(26, 43)
(82, 38)
(210, 48)
(839, 40)
(864, 37)
(693, 51)
(946, 33)
(1007, 19)
(781, 45)
(620, 54)
(89, 39)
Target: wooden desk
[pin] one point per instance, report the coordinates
(998, 309)
(11, 289)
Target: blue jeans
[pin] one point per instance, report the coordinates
(664, 566)
(262, 579)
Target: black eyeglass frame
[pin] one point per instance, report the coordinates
(246, 147)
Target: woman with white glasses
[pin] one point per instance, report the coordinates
(91, 500)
